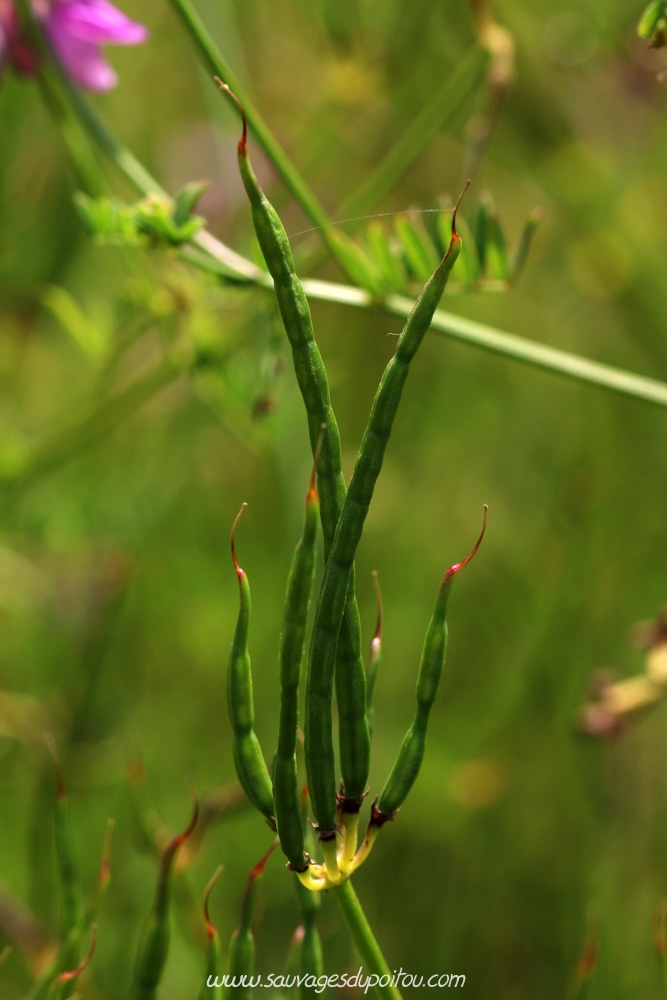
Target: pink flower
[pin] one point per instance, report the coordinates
(75, 29)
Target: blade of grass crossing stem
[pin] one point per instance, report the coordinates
(248, 758)
(295, 617)
(242, 944)
(331, 603)
(411, 753)
(154, 945)
(313, 384)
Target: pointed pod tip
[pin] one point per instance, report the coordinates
(243, 142)
(261, 865)
(453, 570)
(457, 206)
(66, 977)
(180, 838)
(239, 571)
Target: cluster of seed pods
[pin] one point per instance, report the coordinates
(335, 657)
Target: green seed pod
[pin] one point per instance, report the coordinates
(653, 19)
(297, 602)
(318, 746)
(313, 384)
(212, 986)
(248, 758)
(242, 944)
(411, 754)
(154, 945)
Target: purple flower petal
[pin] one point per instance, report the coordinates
(82, 61)
(97, 22)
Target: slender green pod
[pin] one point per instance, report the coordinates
(333, 593)
(154, 945)
(653, 21)
(212, 986)
(354, 740)
(297, 602)
(62, 985)
(248, 758)
(314, 387)
(295, 312)
(411, 753)
(242, 944)
(375, 658)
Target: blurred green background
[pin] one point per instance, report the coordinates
(117, 596)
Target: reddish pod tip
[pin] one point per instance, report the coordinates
(66, 977)
(453, 570)
(239, 571)
(243, 142)
(210, 929)
(456, 207)
(180, 838)
(261, 865)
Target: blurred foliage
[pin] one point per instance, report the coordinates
(117, 595)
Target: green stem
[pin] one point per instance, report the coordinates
(364, 939)
(508, 345)
(218, 66)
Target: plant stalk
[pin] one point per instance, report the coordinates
(364, 940)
